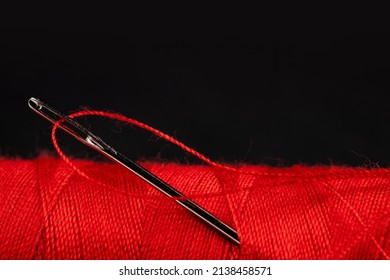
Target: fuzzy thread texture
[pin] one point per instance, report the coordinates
(52, 209)
(49, 211)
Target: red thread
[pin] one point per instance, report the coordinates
(141, 125)
(280, 213)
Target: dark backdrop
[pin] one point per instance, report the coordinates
(279, 100)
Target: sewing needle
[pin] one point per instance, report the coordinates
(85, 136)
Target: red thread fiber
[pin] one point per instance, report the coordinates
(49, 211)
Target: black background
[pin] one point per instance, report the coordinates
(264, 99)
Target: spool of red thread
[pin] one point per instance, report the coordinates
(49, 211)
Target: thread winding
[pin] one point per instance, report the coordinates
(49, 211)
(195, 153)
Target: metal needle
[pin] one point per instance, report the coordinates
(85, 136)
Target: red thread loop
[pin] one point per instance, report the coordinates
(141, 125)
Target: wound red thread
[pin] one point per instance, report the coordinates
(198, 155)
